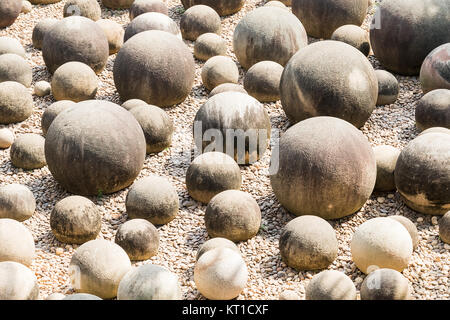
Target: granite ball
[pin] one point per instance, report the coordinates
(26, 6)
(209, 45)
(262, 81)
(139, 7)
(11, 45)
(27, 152)
(151, 21)
(218, 70)
(353, 35)
(117, 4)
(215, 243)
(42, 88)
(55, 296)
(132, 103)
(139, 238)
(9, 11)
(14, 68)
(222, 7)
(16, 202)
(288, 294)
(197, 20)
(16, 242)
(435, 130)
(52, 111)
(411, 227)
(44, 1)
(444, 228)
(433, 110)
(386, 158)
(331, 285)
(387, 87)
(224, 87)
(435, 69)
(85, 8)
(81, 296)
(16, 102)
(40, 30)
(114, 33)
(385, 284)
(278, 4)
(17, 282)
(6, 138)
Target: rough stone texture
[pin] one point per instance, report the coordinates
(114, 33)
(6, 138)
(224, 87)
(27, 151)
(16, 202)
(198, 20)
(42, 88)
(353, 35)
(16, 103)
(444, 228)
(117, 4)
(40, 29)
(14, 68)
(385, 284)
(81, 296)
(9, 11)
(52, 111)
(139, 238)
(216, 243)
(17, 282)
(209, 45)
(151, 21)
(219, 70)
(386, 158)
(435, 70)
(411, 227)
(262, 81)
(139, 7)
(85, 8)
(222, 7)
(10, 45)
(331, 285)
(433, 110)
(387, 87)
(16, 242)
(132, 103)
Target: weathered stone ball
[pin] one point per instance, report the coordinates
(26, 7)
(220, 274)
(75, 219)
(16, 202)
(97, 267)
(17, 282)
(40, 29)
(435, 70)
(55, 296)
(114, 33)
(16, 103)
(85, 8)
(387, 87)
(132, 103)
(381, 243)
(398, 24)
(152, 198)
(198, 20)
(149, 282)
(139, 238)
(117, 4)
(224, 87)
(143, 69)
(209, 45)
(386, 157)
(410, 226)
(262, 81)
(385, 284)
(81, 296)
(152, 21)
(222, 7)
(42, 88)
(435, 130)
(257, 37)
(422, 174)
(353, 35)
(16, 242)
(215, 243)
(278, 4)
(75, 38)
(305, 185)
(331, 285)
(94, 157)
(9, 11)
(139, 7)
(10, 45)
(218, 70)
(433, 109)
(329, 78)
(237, 118)
(308, 243)
(14, 68)
(44, 1)
(27, 151)
(288, 294)
(52, 111)
(444, 228)
(6, 138)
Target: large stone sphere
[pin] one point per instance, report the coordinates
(151, 21)
(198, 20)
(218, 70)
(95, 157)
(16, 242)
(353, 35)
(262, 81)
(386, 157)
(40, 29)
(222, 7)
(11, 45)
(139, 238)
(331, 285)
(16, 102)
(233, 117)
(139, 7)
(308, 243)
(435, 70)
(16, 202)
(329, 78)
(52, 111)
(410, 226)
(6, 138)
(422, 174)
(75, 38)
(97, 267)
(435, 130)
(14, 68)
(145, 71)
(117, 4)
(433, 110)
(385, 284)
(85, 8)
(381, 243)
(17, 282)
(227, 87)
(114, 33)
(326, 167)
(9, 11)
(209, 45)
(387, 87)
(216, 243)
(268, 33)
(27, 151)
(149, 282)
(398, 24)
(444, 228)
(220, 274)
(81, 296)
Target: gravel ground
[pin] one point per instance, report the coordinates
(428, 271)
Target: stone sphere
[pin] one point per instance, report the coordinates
(145, 71)
(14, 68)
(444, 228)
(41, 29)
(75, 219)
(215, 243)
(9, 11)
(139, 238)
(322, 18)
(6, 138)
(410, 226)
(288, 294)
(152, 198)
(44, 1)
(198, 20)
(10, 45)
(97, 267)
(218, 70)
(152, 21)
(16, 202)
(114, 33)
(422, 174)
(220, 274)
(27, 151)
(52, 111)
(303, 181)
(149, 282)
(433, 110)
(211, 173)
(132, 103)
(331, 285)
(42, 88)
(278, 4)
(117, 4)
(93, 157)
(386, 157)
(238, 118)
(387, 87)
(385, 284)
(16, 242)
(75, 38)
(209, 45)
(308, 243)
(262, 81)
(55, 296)
(353, 35)
(222, 7)
(435, 70)
(81, 296)
(224, 87)
(435, 130)
(258, 36)
(85, 8)
(381, 243)
(398, 24)
(329, 78)
(26, 7)
(139, 7)
(17, 282)
(16, 103)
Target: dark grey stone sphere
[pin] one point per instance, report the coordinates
(9, 11)
(353, 35)
(433, 110)
(85, 8)
(262, 81)
(16, 102)
(209, 45)
(139, 238)
(27, 152)
(331, 285)
(218, 70)
(16, 202)
(435, 69)
(410, 226)
(198, 20)
(52, 111)
(387, 87)
(222, 7)
(444, 228)
(151, 21)
(386, 157)
(11, 45)
(385, 284)
(224, 87)
(14, 68)
(139, 7)
(40, 29)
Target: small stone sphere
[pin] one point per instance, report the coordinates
(224, 87)
(410, 226)
(6, 138)
(422, 174)
(17, 282)
(209, 45)
(55, 296)
(27, 151)
(114, 32)
(152, 21)
(222, 7)
(386, 157)
(85, 8)
(16, 242)
(198, 20)
(75, 38)
(435, 130)
(257, 37)
(435, 71)
(385, 284)
(381, 243)
(97, 267)
(262, 81)
(220, 274)
(9, 11)
(10, 45)
(74, 81)
(216, 243)
(353, 35)
(157, 126)
(218, 70)
(139, 238)
(117, 4)
(132, 103)
(42, 88)
(433, 110)
(444, 228)
(26, 7)
(149, 282)
(16, 202)
(139, 7)
(41, 29)
(75, 219)
(152, 198)
(288, 294)
(52, 111)
(211, 173)
(81, 296)
(16, 102)
(14, 68)
(276, 4)
(387, 87)
(308, 243)
(331, 285)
